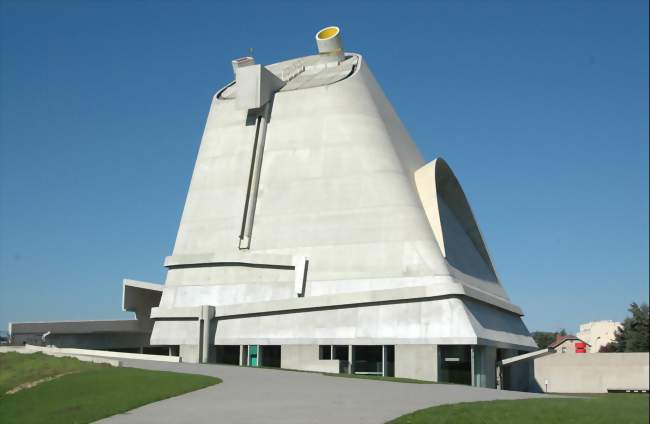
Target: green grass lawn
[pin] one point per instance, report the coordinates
(16, 368)
(92, 392)
(593, 409)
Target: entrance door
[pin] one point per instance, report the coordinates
(252, 355)
(455, 364)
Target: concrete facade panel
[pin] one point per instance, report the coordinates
(415, 361)
(305, 358)
(436, 321)
(175, 333)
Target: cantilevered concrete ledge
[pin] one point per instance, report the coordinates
(428, 292)
(137, 295)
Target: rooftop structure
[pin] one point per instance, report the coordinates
(569, 344)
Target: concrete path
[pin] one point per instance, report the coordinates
(260, 396)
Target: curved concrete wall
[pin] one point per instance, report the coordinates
(336, 185)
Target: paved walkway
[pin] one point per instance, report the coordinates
(260, 396)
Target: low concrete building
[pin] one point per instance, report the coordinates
(315, 237)
(598, 334)
(128, 335)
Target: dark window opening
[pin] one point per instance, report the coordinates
(367, 360)
(227, 354)
(455, 364)
(389, 357)
(341, 352)
(325, 352)
(271, 356)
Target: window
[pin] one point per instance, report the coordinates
(324, 352)
(564, 349)
(341, 352)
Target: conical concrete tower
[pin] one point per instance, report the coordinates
(313, 228)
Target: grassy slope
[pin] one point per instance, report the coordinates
(595, 409)
(92, 393)
(16, 368)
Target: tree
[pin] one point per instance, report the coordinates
(608, 348)
(633, 335)
(545, 338)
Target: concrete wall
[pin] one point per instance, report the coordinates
(101, 353)
(305, 357)
(443, 321)
(416, 361)
(327, 149)
(489, 361)
(591, 372)
(27, 350)
(520, 377)
(517, 376)
(293, 356)
(189, 353)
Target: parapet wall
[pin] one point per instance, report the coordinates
(591, 372)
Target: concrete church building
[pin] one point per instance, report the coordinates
(315, 237)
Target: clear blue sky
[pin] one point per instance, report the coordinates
(541, 109)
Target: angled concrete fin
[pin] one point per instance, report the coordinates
(452, 221)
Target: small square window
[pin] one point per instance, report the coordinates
(324, 352)
(341, 352)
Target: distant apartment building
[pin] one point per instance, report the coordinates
(598, 333)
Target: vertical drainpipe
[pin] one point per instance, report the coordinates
(251, 201)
